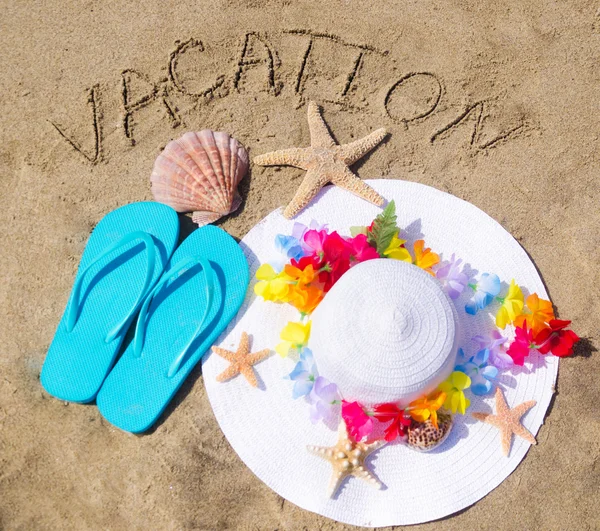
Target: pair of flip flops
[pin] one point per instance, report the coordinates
(182, 302)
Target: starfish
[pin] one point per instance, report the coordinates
(324, 162)
(348, 459)
(241, 361)
(508, 421)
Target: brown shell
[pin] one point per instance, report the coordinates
(199, 173)
(423, 436)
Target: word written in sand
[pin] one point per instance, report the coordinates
(196, 76)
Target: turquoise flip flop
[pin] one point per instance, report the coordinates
(199, 294)
(123, 259)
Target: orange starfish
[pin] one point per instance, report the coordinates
(241, 361)
(508, 421)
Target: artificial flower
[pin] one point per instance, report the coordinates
(399, 420)
(511, 305)
(483, 376)
(360, 249)
(325, 401)
(293, 335)
(299, 230)
(304, 374)
(556, 340)
(541, 312)
(425, 407)
(454, 388)
(289, 246)
(396, 250)
(519, 349)
(272, 286)
(485, 290)
(359, 229)
(312, 241)
(452, 278)
(494, 343)
(359, 424)
(315, 260)
(305, 299)
(301, 277)
(424, 257)
(336, 255)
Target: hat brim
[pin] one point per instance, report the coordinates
(270, 431)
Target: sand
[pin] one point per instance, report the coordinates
(494, 102)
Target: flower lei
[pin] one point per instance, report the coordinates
(313, 260)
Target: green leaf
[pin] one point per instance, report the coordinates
(384, 228)
(355, 231)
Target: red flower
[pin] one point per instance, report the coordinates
(336, 255)
(391, 412)
(556, 339)
(358, 423)
(313, 259)
(523, 342)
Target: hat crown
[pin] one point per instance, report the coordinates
(385, 332)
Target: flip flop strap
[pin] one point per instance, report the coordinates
(140, 329)
(74, 305)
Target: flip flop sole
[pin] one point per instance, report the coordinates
(78, 361)
(138, 389)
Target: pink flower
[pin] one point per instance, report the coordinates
(313, 240)
(361, 249)
(359, 424)
(522, 344)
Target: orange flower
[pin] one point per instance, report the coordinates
(303, 277)
(425, 258)
(425, 407)
(541, 313)
(305, 298)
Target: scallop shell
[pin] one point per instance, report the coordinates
(199, 173)
(424, 436)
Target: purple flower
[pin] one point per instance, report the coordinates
(485, 290)
(452, 278)
(483, 376)
(304, 374)
(325, 401)
(494, 343)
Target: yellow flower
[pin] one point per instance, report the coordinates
(293, 335)
(271, 286)
(424, 408)
(512, 306)
(396, 251)
(455, 397)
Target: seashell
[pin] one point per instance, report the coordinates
(423, 436)
(199, 173)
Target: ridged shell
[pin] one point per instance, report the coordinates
(423, 436)
(199, 173)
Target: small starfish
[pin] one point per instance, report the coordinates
(324, 162)
(348, 459)
(508, 421)
(241, 361)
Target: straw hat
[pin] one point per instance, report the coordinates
(386, 331)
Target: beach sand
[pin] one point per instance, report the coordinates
(494, 102)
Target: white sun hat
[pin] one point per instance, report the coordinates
(386, 331)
